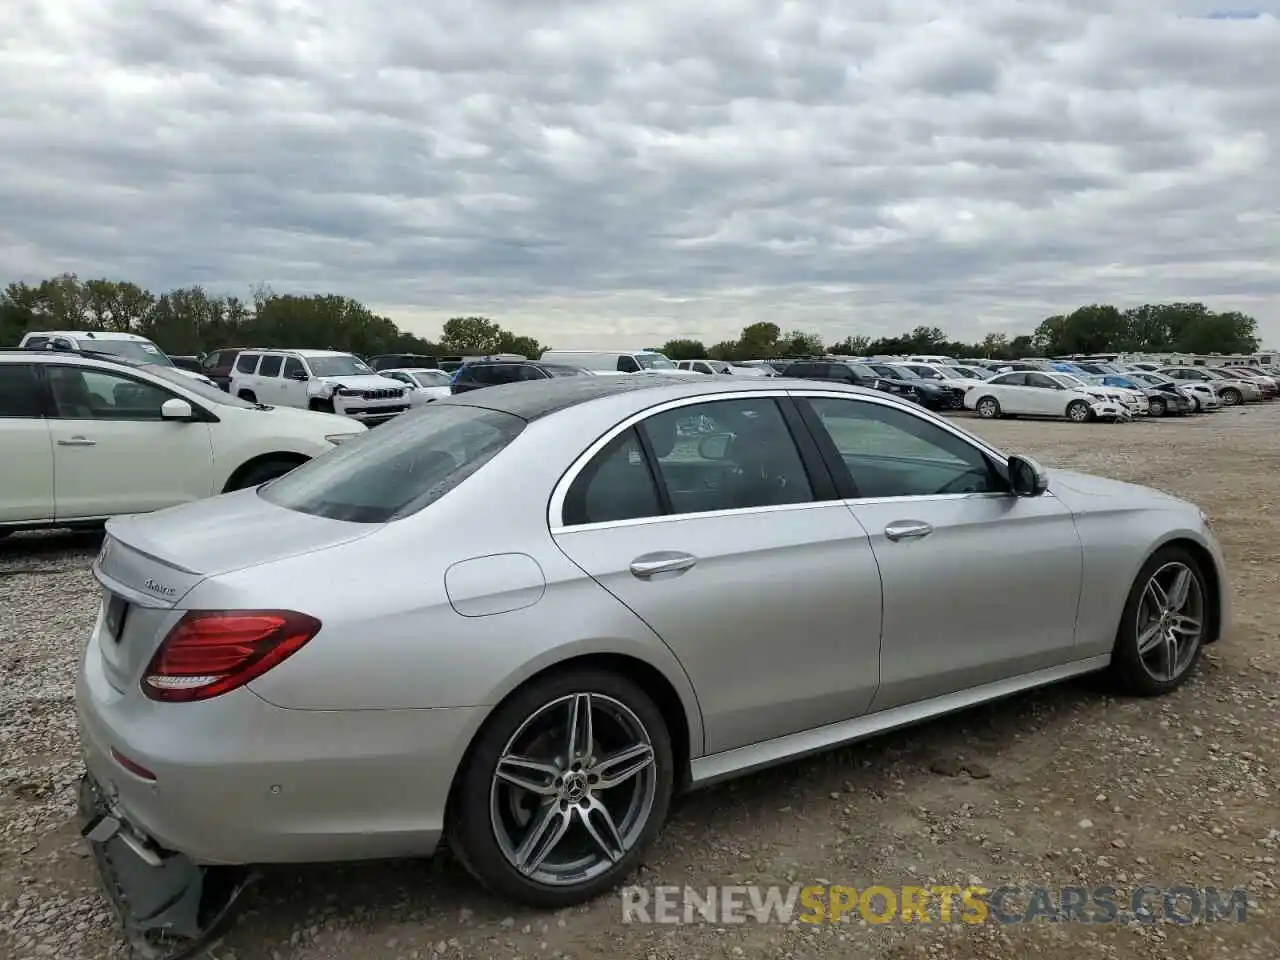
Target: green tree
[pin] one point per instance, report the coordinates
(797, 343)
(759, 341)
(472, 335)
(684, 349)
(851, 347)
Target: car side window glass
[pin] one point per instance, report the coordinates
(86, 394)
(727, 455)
(247, 363)
(627, 364)
(530, 373)
(1041, 381)
(19, 392)
(293, 367)
(270, 366)
(891, 452)
(616, 485)
(1009, 380)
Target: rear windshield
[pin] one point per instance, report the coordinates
(399, 468)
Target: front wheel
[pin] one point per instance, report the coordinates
(566, 785)
(988, 408)
(1164, 624)
(1079, 412)
(1156, 408)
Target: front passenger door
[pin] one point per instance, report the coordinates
(26, 491)
(113, 452)
(733, 552)
(979, 585)
(1047, 394)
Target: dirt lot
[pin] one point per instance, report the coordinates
(1073, 786)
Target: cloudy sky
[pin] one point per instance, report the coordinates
(616, 173)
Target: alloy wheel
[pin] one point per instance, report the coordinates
(1170, 621)
(1078, 411)
(573, 790)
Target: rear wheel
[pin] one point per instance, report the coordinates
(1156, 407)
(988, 408)
(565, 786)
(248, 395)
(1232, 397)
(1164, 624)
(1079, 412)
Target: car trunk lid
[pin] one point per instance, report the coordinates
(149, 563)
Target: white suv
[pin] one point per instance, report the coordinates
(321, 380)
(85, 439)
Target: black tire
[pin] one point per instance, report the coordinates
(1232, 397)
(1079, 412)
(248, 396)
(1156, 408)
(260, 473)
(1195, 404)
(470, 830)
(988, 408)
(320, 406)
(1127, 665)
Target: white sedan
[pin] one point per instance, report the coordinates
(85, 439)
(426, 385)
(1027, 393)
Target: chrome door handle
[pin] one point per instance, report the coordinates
(78, 442)
(652, 564)
(907, 530)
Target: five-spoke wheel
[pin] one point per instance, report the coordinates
(1165, 624)
(568, 782)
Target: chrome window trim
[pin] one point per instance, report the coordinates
(555, 507)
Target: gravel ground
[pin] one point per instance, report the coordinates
(1062, 786)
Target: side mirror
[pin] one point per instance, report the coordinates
(714, 447)
(1027, 477)
(176, 409)
(299, 375)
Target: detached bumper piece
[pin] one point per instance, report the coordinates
(168, 906)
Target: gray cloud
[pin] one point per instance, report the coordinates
(623, 173)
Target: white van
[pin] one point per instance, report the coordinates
(614, 361)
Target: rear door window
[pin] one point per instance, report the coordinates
(21, 396)
(399, 468)
(247, 363)
(270, 366)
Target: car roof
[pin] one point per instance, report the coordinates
(87, 335)
(541, 398)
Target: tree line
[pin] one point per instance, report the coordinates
(191, 321)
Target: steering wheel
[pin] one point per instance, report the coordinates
(970, 481)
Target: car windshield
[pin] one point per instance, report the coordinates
(973, 373)
(430, 378)
(341, 365)
(654, 361)
(1067, 379)
(949, 373)
(398, 469)
(143, 351)
(905, 373)
(862, 371)
(558, 370)
(203, 390)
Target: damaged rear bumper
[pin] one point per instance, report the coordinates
(168, 906)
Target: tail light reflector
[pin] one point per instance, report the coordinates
(211, 652)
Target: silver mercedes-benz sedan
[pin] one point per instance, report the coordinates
(521, 618)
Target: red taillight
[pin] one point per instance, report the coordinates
(209, 652)
(133, 766)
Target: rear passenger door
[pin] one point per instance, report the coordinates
(727, 542)
(26, 447)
